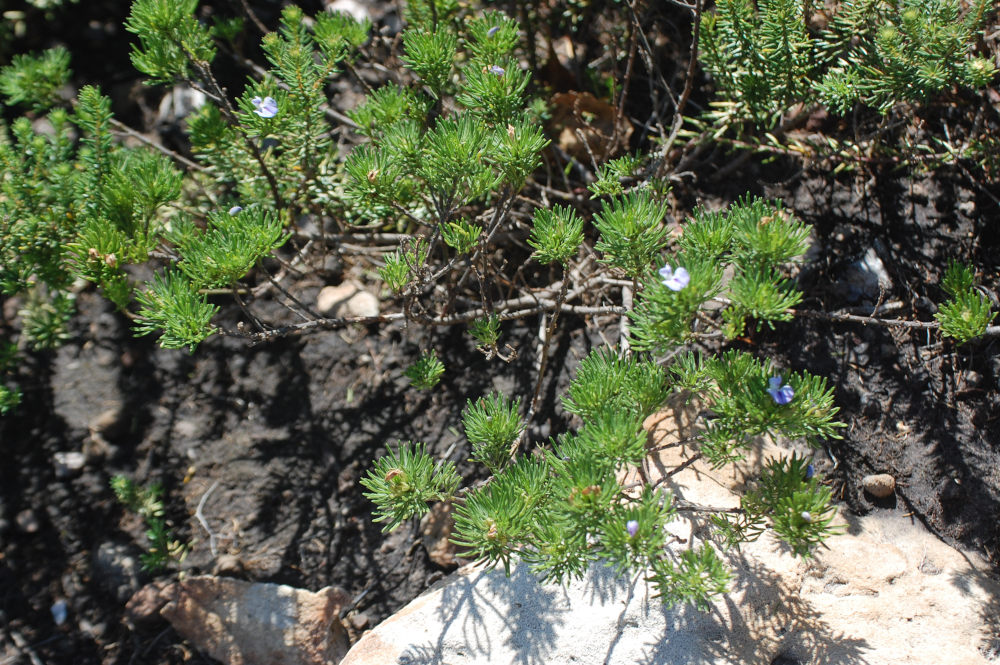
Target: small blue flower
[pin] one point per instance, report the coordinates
(632, 527)
(810, 471)
(496, 70)
(492, 31)
(675, 280)
(235, 210)
(806, 517)
(781, 394)
(265, 108)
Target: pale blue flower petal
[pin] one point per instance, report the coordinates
(779, 393)
(675, 280)
(265, 108)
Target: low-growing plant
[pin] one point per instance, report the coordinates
(776, 62)
(967, 312)
(428, 208)
(147, 503)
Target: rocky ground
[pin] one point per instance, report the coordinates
(259, 450)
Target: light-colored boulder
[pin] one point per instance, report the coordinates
(247, 623)
(886, 591)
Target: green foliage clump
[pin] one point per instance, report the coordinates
(608, 382)
(563, 507)
(426, 372)
(967, 312)
(631, 231)
(734, 386)
(765, 58)
(556, 234)
(492, 426)
(172, 306)
(36, 81)
(403, 482)
(754, 239)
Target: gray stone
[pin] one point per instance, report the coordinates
(83, 386)
(117, 569)
(866, 277)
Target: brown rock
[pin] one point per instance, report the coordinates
(246, 623)
(435, 532)
(109, 422)
(145, 604)
(228, 565)
(879, 485)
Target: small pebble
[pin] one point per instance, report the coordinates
(109, 422)
(229, 564)
(27, 521)
(68, 463)
(879, 485)
(359, 621)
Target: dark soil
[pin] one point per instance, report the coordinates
(273, 439)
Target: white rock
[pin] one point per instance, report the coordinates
(359, 11)
(346, 299)
(68, 463)
(179, 102)
(886, 591)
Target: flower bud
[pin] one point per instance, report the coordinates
(632, 526)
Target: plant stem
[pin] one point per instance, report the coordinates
(546, 345)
